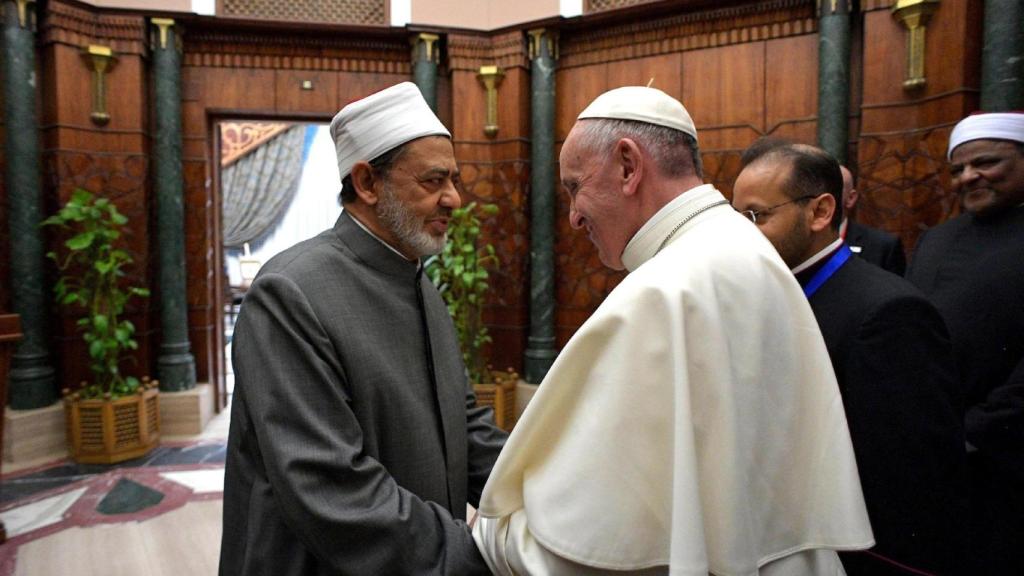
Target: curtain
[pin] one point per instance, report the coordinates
(257, 188)
(313, 209)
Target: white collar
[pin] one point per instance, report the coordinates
(375, 237)
(648, 240)
(817, 257)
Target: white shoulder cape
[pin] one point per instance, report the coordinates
(693, 421)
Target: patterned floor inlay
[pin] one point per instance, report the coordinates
(127, 497)
(63, 495)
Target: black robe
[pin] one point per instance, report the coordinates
(876, 246)
(892, 358)
(973, 270)
(355, 439)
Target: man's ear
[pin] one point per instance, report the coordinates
(823, 207)
(365, 181)
(630, 165)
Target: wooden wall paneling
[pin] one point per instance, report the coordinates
(321, 97)
(471, 111)
(903, 176)
(355, 85)
(235, 89)
(575, 88)
(664, 70)
(791, 88)
(724, 91)
(109, 160)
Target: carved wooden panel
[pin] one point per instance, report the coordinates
(904, 182)
(602, 5)
(367, 12)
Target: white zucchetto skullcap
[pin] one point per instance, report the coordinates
(991, 126)
(367, 128)
(641, 104)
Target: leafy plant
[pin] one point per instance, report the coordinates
(460, 274)
(91, 271)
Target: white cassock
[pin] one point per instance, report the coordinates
(692, 425)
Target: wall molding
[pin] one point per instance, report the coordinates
(690, 31)
(78, 26)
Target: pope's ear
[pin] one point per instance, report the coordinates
(824, 208)
(364, 180)
(631, 163)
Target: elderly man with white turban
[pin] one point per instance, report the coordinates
(972, 267)
(693, 424)
(355, 439)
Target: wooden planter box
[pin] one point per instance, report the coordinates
(500, 395)
(109, 431)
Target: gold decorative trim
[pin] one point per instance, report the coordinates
(428, 41)
(164, 24)
(536, 36)
(491, 77)
(23, 11)
(914, 15)
(101, 59)
(240, 138)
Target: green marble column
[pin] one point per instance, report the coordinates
(834, 77)
(425, 48)
(176, 368)
(32, 375)
(540, 348)
(1002, 57)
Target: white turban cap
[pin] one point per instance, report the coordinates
(641, 104)
(992, 126)
(367, 128)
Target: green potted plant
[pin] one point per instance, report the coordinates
(461, 274)
(114, 417)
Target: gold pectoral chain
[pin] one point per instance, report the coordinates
(687, 219)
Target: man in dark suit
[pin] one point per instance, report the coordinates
(971, 267)
(355, 439)
(874, 245)
(892, 357)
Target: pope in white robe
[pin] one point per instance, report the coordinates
(693, 424)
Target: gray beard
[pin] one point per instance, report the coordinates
(406, 226)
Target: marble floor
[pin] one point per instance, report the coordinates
(155, 515)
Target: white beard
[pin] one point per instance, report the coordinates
(406, 226)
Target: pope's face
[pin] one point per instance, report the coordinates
(761, 187)
(595, 201)
(418, 195)
(988, 175)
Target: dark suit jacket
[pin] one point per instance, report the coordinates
(355, 439)
(878, 247)
(892, 357)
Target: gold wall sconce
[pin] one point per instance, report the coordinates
(491, 77)
(914, 15)
(100, 59)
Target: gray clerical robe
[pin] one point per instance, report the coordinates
(350, 452)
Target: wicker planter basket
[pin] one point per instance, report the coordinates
(500, 395)
(109, 431)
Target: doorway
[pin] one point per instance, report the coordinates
(278, 186)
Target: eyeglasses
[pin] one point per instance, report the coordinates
(752, 215)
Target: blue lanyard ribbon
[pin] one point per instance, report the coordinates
(826, 271)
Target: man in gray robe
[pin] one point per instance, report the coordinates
(355, 439)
